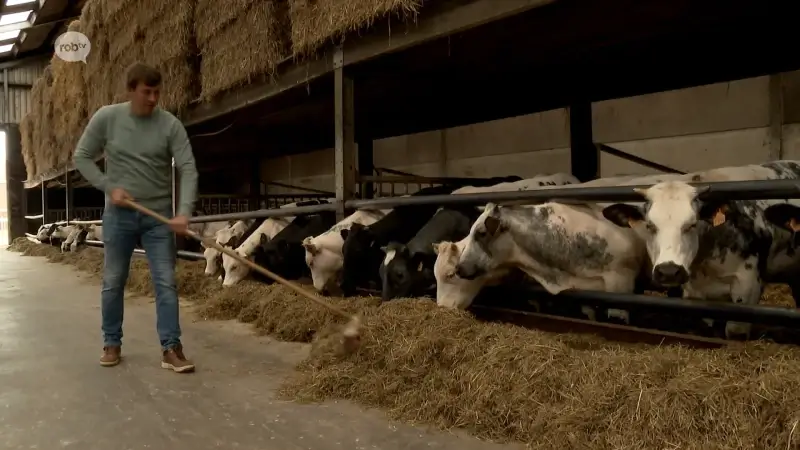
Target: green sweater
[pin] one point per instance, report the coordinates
(139, 153)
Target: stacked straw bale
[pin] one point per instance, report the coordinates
(96, 76)
(26, 132)
(69, 103)
(316, 22)
(43, 142)
(157, 33)
(240, 41)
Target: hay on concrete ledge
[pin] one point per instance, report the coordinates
(427, 364)
(249, 47)
(316, 22)
(26, 126)
(69, 103)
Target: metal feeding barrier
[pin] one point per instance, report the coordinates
(740, 190)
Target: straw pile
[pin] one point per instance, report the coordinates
(316, 22)
(69, 103)
(98, 79)
(26, 126)
(426, 364)
(240, 41)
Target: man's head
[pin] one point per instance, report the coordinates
(143, 83)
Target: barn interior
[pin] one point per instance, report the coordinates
(459, 90)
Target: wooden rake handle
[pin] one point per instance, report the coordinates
(212, 243)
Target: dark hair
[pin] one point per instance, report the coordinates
(142, 73)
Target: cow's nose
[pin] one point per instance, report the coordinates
(670, 274)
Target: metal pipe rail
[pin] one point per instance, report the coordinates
(767, 315)
(192, 256)
(739, 190)
(182, 254)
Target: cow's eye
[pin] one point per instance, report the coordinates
(689, 227)
(651, 227)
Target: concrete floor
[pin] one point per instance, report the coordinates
(54, 394)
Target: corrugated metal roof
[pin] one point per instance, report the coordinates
(13, 109)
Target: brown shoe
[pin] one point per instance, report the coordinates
(111, 356)
(175, 360)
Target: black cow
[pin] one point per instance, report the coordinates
(284, 254)
(361, 251)
(407, 269)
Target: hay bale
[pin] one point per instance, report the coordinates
(164, 40)
(239, 42)
(26, 127)
(69, 103)
(317, 22)
(47, 158)
(98, 80)
(427, 364)
(43, 142)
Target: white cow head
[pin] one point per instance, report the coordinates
(234, 270)
(452, 291)
(672, 222)
(324, 264)
(486, 246)
(213, 261)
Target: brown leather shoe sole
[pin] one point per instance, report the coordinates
(181, 369)
(112, 363)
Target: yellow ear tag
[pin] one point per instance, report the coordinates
(719, 218)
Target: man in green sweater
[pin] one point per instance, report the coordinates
(140, 141)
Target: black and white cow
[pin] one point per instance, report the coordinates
(716, 250)
(561, 246)
(251, 240)
(206, 230)
(453, 291)
(284, 254)
(361, 251)
(230, 237)
(407, 269)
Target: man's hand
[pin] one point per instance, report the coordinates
(119, 196)
(179, 224)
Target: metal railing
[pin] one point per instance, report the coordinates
(742, 190)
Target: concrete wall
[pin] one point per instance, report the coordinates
(689, 129)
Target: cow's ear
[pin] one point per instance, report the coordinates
(714, 212)
(784, 215)
(623, 215)
(494, 225)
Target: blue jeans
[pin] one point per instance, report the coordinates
(122, 228)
